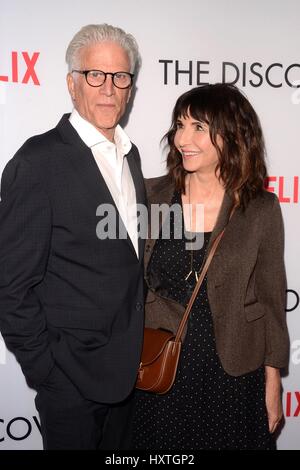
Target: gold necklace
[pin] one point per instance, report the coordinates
(192, 270)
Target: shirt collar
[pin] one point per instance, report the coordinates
(122, 141)
(92, 136)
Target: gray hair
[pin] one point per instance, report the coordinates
(98, 33)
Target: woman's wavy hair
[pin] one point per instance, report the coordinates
(228, 113)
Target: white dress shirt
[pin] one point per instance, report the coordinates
(113, 165)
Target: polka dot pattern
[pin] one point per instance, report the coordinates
(206, 408)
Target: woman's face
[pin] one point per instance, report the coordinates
(193, 141)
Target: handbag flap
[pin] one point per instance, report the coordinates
(154, 342)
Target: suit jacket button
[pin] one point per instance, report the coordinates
(138, 306)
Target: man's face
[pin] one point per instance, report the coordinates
(105, 105)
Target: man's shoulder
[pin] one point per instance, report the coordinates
(40, 141)
(39, 148)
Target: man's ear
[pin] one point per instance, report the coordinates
(71, 87)
(129, 95)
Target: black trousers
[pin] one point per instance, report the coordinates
(71, 422)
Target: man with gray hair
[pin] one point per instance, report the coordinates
(71, 302)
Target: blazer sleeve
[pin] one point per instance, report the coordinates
(271, 287)
(25, 232)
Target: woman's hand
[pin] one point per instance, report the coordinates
(273, 397)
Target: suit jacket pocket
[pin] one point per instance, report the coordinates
(254, 311)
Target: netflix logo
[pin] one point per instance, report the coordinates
(292, 404)
(286, 188)
(21, 68)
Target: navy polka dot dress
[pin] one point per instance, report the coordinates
(206, 408)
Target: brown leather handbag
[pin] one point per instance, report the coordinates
(161, 348)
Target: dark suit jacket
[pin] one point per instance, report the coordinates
(67, 297)
(246, 284)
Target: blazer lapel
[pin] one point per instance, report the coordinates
(159, 193)
(222, 220)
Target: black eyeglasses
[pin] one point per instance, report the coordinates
(96, 78)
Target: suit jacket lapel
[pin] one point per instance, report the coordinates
(90, 176)
(141, 199)
(84, 163)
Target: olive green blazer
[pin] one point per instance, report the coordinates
(246, 283)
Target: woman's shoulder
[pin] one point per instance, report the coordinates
(264, 199)
(265, 205)
(158, 186)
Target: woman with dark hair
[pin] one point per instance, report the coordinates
(227, 392)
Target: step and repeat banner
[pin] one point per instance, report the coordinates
(183, 44)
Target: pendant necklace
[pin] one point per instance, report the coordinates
(192, 270)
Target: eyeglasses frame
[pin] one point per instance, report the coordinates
(85, 73)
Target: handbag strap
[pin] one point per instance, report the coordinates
(199, 282)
